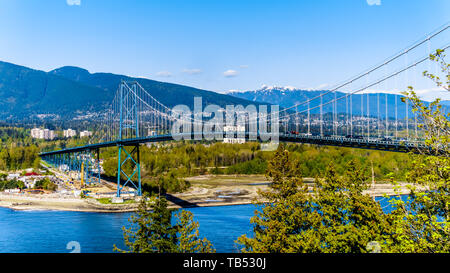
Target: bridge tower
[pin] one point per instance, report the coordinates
(128, 163)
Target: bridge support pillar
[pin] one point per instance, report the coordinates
(133, 177)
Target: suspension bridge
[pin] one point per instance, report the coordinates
(360, 112)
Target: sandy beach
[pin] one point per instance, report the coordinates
(206, 190)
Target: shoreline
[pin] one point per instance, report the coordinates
(177, 201)
(31, 203)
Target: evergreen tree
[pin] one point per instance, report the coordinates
(349, 219)
(154, 232)
(284, 213)
(336, 216)
(188, 238)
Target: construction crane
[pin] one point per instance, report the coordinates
(82, 175)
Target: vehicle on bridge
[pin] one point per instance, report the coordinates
(354, 137)
(386, 138)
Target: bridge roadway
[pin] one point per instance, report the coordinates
(340, 141)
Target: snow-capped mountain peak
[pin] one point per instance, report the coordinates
(279, 88)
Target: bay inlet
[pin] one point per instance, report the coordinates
(47, 231)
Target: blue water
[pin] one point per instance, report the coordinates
(51, 231)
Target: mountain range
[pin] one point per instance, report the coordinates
(289, 97)
(68, 92)
(71, 92)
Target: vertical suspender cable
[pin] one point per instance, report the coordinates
(346, 113)
(334, 112)
(321, 115)
(415, 113)
(386, 113)
(368, 115)
(362, 114)
(309, 122)
(386, 107)
(396, 110)
(378, 114)
(407, 101)
(351, 114)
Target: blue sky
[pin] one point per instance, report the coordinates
(217, 45)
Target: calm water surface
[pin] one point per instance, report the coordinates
(51, 231)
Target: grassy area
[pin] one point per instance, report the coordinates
(226, 180)
(107, 201)
(231, 180)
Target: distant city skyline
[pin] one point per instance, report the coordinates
(217, 45)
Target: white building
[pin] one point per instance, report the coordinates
(12, 190)
(232, 140)
(29, 184)
(30, 181)
(35, 132)
(69, 133)
(43, 133)
(85, 133)
(234, 129)
(51, 135)
(13, 176)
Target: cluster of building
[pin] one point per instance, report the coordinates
(85, 133)
(71, 133)
(50, 134)
(29, 179)
(43, 133)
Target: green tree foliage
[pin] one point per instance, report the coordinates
(422, 223)
(45, 184)
(188, 235)
(110, 166)
(279, 223)
(349, 219)
(10, 135)
(333, 217)
(152, 231)
(164, 167)
(17, 157)
(165, 183)
(187, 159)
(10, 184)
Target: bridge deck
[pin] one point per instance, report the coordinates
(374, 144)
